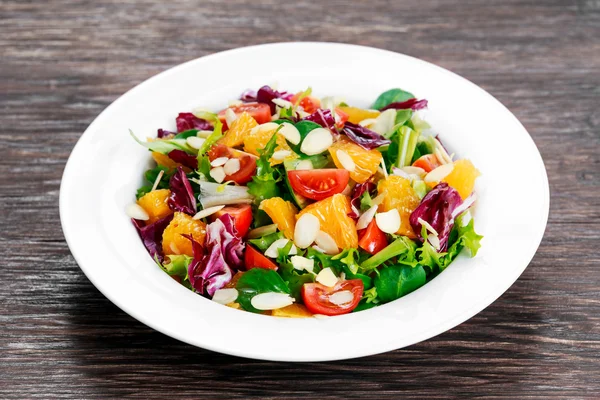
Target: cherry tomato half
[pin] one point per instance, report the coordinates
(241, 214)
(247, 163)
(318, 184)
(342, 116)
(372, 239)
(255, 259)
(259, 111)
(428, 162)
(309, 104)
(317, 297)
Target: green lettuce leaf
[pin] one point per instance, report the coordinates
(396, 281)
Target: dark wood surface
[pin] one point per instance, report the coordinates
(63, 62)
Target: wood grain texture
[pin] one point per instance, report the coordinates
(63, 62)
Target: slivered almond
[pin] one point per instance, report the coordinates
(317, 141)
(304, 165)
(281, 154)
(389, 221)
(271, 301)
(415, 171)
(136, 211)
(428, 226)
(439, 173)
(346, 161)
(326, 242)
(230, 116)
(435, 241)
(282, 103)
(302, 263)
(195, 142)
(365, 219)
(225, 296)
(157, 180)
(341, 298)
(327, 277)
(273, 250)
(204, 134)
(218, 174)
(290, 132)
(306, 230)
(231, 166)
(207, 211)
(217, 162)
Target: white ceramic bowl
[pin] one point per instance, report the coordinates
(106, 166)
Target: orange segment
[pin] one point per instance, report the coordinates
(462, 178)
(283, 213)
(399, 194)
(258, 139)
(292, 311)
(355, 114)
(174, 242)
(332, 213)
(366, 161)
(155, 204)
(240, 128)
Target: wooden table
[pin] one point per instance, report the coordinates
(63, 62)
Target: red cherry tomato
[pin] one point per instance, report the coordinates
(428, 162)
(343, 117)
(318, 184)
(317, 297)
(259, 111)
(247, 163)
(372, 239)
(241, 214)
(254, 259)
(309, 104)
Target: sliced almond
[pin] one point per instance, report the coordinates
(326, 242)
(262, 231)
(304, 165)
(157, 180)
(230, 116)
(225, 296)
(327, 277)
(435, 241)
(428, 226)
(302, 263)
(273, 250)
(379, 199)
(281, 154)
(218, 174)
(204, 134)
(207, 211)
(174, 248)
(231, 166)
(317, 141)
(317, 248)
(306, 230)
(234, 103)
(282, 103)
(271, 301)
(219, 161)
(366, 218)
(415, 171)
(389, 221)
(136, 211)
(290, 132)
(345, 159)
(439, 173)
(266, 127)
(383, 168)
(195, 142)
(367, 122)
(341, 298)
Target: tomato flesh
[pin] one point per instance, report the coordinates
(372, 239)
(428, 162)
(317, 297)
(247, 163)
(309, 104)
(318, 184)
(342, 116)
(242, 217)
(259, 111)
(254, 259)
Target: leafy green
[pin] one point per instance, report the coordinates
(294, 278)
(256, 281)
(177, 265)
(402, 116)
(204, 167)
(304, 127)
(321, 260)
(165, 146)
(186, 134)
(425, 145)
(213, 137)
(420, 188)
(406, 140)
(398, 280)
(150, 177)
(302, 95)
(348, 258)
(366, 201)
(391, 96)
(263, 242)
(264, 183)
(402, 247)
(463, 236)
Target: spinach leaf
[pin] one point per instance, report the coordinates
(402, 116)
(186, 134)
(264, 183)
(398, 280)
(391, 96)
(256, 281)
(150, 177)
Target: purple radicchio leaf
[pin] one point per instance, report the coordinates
(357, 193)
(437, 209)
(323, 118)
(248, 96)
(183, 158)
(266, 95)
(187, 121)
(182, 195)
(212, 267)
(162, 133)
(412, 104)
(151, 235)
(365, 138)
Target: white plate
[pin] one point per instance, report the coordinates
(106, 166)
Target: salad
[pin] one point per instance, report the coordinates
(296, 206)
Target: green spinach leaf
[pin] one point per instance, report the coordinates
(256, 281)
(391, 96)
(398, 280)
